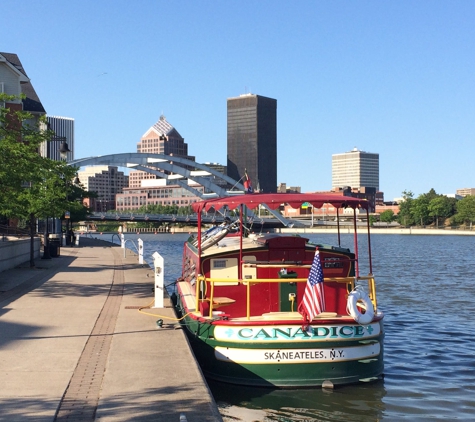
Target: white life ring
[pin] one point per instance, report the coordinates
(359, 295)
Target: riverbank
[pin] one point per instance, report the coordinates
(320, 229)
(378, 230)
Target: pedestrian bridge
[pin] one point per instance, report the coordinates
(176, 170)
(255, 222)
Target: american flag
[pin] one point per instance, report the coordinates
(313, 301)
(247, 183)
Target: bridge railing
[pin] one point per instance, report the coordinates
(190, 219)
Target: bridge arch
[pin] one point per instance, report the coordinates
(153, 163)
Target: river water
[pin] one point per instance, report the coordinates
(426, 288)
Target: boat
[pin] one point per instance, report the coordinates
(273, 309)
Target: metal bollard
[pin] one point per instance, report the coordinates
(158, 271)
(140, 242)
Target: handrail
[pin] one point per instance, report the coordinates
(351, 281)
(125, 246)
(13, 231)
(118, 237)
(248, 265)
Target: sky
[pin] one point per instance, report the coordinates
(389, 77)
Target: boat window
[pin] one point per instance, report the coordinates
(219, 263)
(332, 263)
(224, 268)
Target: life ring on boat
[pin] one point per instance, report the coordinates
(359, 297)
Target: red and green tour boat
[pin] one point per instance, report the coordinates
(274, 309)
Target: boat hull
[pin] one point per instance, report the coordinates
(272, 354)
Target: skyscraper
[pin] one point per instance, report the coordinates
(63, 128)
(252, 140)
(161, 138)
(355, 169)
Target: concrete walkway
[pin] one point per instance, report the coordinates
(73, 345)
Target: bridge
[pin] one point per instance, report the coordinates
(176, 170)
(256, 223)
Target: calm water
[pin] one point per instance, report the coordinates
(426, 287)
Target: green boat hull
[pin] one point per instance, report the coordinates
(287, 364)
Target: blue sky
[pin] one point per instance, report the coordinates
(390, 77)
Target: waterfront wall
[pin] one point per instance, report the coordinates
(375, 231)
(14, 251)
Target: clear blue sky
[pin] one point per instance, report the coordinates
(391, 77)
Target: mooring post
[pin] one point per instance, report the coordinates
(159, 276)
(122, 241)
(140, 242)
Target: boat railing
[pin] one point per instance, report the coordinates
(351, 282)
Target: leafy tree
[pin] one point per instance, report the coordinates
(441, 207)
(372, 220)
(405, 216)
(431, 194)
(31, 186)
(387, 216)
(466, 210)
(420, 210)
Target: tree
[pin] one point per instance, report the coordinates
(405, 216)
(31, 186)
(441, 206)
(420, 210)
(466, 210)
(387, 216)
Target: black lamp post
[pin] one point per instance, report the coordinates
(64, 149)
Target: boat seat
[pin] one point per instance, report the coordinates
(217, 303)
(222, 301)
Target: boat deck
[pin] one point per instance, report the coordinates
(220, 310)
(231, 243)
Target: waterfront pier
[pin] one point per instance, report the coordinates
(75, 347)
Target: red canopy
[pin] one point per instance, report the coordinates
(275, 200)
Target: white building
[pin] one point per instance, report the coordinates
(355, 169)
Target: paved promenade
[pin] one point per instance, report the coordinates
(74, 347)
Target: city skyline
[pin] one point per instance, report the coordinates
(392, 78)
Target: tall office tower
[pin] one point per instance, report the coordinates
(161, 138)
(63, 128)
(355, 169)
(252, 140)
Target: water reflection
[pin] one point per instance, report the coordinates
(351, 403)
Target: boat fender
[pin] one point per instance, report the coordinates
(359, 295)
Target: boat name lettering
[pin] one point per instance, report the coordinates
(261, 333)
(305, 355)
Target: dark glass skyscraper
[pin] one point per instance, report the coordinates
(252, 140)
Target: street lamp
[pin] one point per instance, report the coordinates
(63, 150)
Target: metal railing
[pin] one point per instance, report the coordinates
(125, 246)
(13, 231)
(351, 282)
